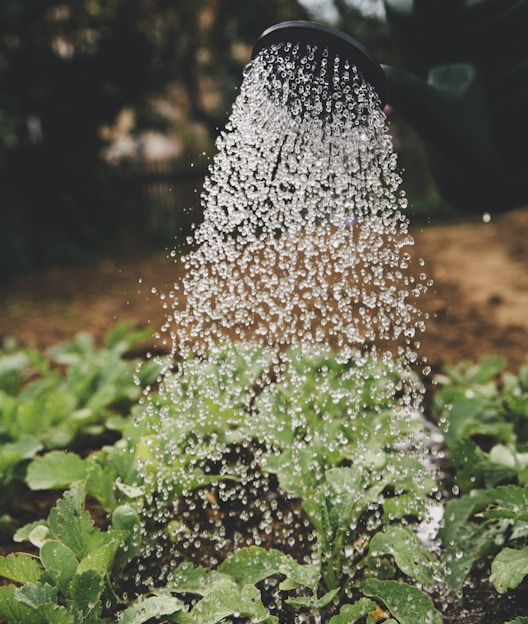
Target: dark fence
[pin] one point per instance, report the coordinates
(162, 197)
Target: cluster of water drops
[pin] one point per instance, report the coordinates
(304, 249)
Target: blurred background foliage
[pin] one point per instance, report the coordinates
(71, 72)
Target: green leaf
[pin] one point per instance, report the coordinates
(55, 470)
(14, 611)
(408, 552)
(305, 575)
(41, 416)
(465, 542)
(124, 335)
(350, 494)
(21, 568)
(194, 580)
(509, 568)
(36, 595)
(518, 620)
(85, 592)
(27, 533)
(100, 559)
(313, 602)
(254, 564)
(72, 525)
(152, 607)
(102, 397)
(226, 599)
(100, 482)
(59, 561)
(12, 366)
(26, 447)
(126, 520)
(509, 501)
(407, 604)
(349, 614)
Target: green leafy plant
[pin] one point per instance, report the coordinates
(225, 425)
(265, 498)
(71, 579)
(485, 413)
(50, 401)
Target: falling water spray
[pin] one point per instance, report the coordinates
(301, 267)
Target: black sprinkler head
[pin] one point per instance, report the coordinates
(324, 37)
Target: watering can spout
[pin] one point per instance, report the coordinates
(450, 112)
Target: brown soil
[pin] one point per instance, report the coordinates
(477, 306)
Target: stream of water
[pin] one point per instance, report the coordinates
(304, 248)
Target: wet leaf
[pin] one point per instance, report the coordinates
(465, 542)
(350, 614)
(72, 525)
(313, 602)
(406, 603)
(226, 599)
(410, 555)
(36, 595)
(509, 501)
(85, 592)
(254, 564)
(151, 607)
(14, 611)
(59, 561)
(509, 568)
(100, 559)
(194, 580)
(21, 568)
(126, 519)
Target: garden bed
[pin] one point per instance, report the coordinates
(476, 307)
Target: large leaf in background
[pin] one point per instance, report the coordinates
(508, 501)
(55, 470)
(11, 454)
(41, 412)
(12, 369)
(480, 374)
(476, 469)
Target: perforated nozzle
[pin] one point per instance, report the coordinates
(325, 37)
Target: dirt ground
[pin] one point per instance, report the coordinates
(478, 305)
